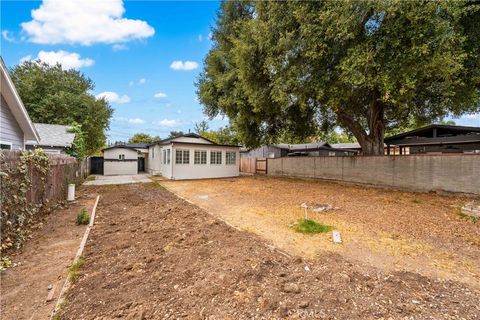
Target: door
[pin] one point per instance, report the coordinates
(141, 164)
(96, 165)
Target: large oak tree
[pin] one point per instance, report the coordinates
(366, 66)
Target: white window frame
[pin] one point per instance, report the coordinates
(216, 162)
(164, 156)
(201, 160)
(121, 156)
(184, 158)
(7, 144)
(168, 155)
(230, 163)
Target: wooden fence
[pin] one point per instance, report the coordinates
(253, 165)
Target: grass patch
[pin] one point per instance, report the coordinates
(158, 184)
(91, 178)
(59, 312)
(309, 226)
(466, 216)
(417, 201)
(83, 217)
(74, 270)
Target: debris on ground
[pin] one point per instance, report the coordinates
(203, 197)
(472, 209)
(336, 236)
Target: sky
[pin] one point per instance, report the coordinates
(143, 56)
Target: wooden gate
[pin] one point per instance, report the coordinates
(253, 165)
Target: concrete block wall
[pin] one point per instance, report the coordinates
(453, 173)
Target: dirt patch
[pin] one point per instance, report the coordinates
(43, 261)
(394, 230)
(152, 255)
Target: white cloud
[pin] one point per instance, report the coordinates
(113, 97)
(129, 120)
(119, 47)
(84, 22)
(210, 35)
(167, 123)
(142, 81)
(26, 58)
(184, 65)
(68, 60)
(473, 116)
(136, 121)
(200, 38)
(160, 95)
(8, 36)
(131, 83)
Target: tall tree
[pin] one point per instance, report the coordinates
(55, 96)
(367, 66)
(143, 138)
(175, 134)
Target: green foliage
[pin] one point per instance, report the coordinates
(224, 135)
(284, 68)
(74, 270)
(143, 138)
(78, 148)
(310, 226)
(83, 217)
(17, 211)
(55, 96)
(175, 134)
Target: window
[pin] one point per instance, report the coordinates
(164, 156)
(182, 156)
(200, 157)
(5, 146)
(230, 157)
(331, 153)
(153, 153)
(215, 157)
(121, 157)
(168, 156)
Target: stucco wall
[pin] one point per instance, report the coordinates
(112, 165)
(455, 173)
(10, 131)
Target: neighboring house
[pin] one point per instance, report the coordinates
(120, 159)
(142, 156)
(193, 157)
(54, 138)
(315, 149)
(436, 139)
(15, 124)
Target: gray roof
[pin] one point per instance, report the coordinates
(347, 145)
(302, 146)
(138, 145)
(53, 135)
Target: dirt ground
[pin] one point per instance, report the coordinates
(152, 255)
(43, 261)
(392, 230)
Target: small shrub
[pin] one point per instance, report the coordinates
(91, 178)
(74, 270)
(83, 217)
(310, 226)
(466, 216)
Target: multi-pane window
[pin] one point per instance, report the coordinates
(230, 157)
(168, 156)
(5, 146)
(200, 157)
(182, 156)
(215, 157)
(121, 157)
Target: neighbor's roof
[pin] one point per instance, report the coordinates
(446, 129)
(302, 146)
(11, 96)
(347, 145)
(138, 145)
(53, 135)
(190, 135)
(121, 146)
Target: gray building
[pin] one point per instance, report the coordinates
(316, 149)
(54, 138)
(15, 124)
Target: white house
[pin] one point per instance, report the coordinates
(193, 157)
(15, 124)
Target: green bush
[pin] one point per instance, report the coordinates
(83, 217)
(311, 226)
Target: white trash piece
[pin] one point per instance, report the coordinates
(71, 192)
(336, 237)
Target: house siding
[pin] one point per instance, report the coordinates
(113, 166)
(10, 131)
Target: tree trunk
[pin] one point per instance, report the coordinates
(371, 142)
